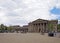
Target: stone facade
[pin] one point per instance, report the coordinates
(38, 25)
(41, 25)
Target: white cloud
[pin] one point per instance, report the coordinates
(59, 22)
(24, 11)
(58, 4)
(3, 18)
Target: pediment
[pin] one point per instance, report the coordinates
(39, 20)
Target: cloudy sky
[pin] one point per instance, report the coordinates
(21, 12)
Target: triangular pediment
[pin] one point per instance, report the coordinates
(39, 20)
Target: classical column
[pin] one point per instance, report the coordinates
(43, 27)
(46, 28)
(34, 28)
(38, 27)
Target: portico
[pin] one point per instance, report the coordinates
(39, 25)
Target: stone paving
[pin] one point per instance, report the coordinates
(27, 38)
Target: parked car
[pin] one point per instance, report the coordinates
(51, 34)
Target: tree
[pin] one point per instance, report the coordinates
(59, 27)
(2, 27)
(10, 28)
(6, 29)
(50, 27)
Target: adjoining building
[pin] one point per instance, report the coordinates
(24, 28)
(16, 28)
